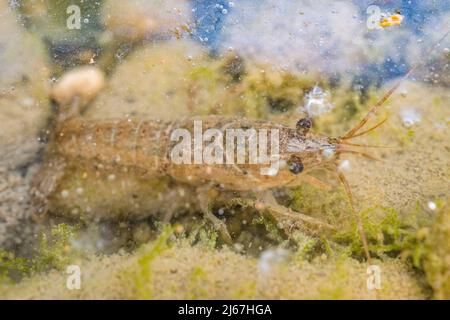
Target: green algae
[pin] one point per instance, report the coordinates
(54, 251)
(150, 253)
(437, 253)
(12, 267)
(180, 271)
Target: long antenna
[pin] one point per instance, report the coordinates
(388, 94)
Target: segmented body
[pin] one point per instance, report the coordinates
(146, 145)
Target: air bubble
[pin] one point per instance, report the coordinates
(270, 259)
(344, 165)
(432, 205)
(316, 102)
(410, 117)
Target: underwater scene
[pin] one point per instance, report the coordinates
(225, 150)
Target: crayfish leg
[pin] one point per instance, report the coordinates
(204, 197)
(44, 184)
(284, 217)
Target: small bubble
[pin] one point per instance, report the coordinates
(271, 258)
(432, 205)
(27, 101)
(328, 152)
(238, 247)
(344, 165)
(317, 102)
(410, 117)
(64, 193)
(272, 172)
(403, 92)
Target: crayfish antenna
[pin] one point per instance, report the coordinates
(356, 215)
(354, 131)
(365, 131)
(344, 143)
(359, 153)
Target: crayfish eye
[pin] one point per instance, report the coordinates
(303, 125)
(295, 165)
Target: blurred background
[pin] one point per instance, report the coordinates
(272, 60)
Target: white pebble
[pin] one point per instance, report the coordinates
(84, 82)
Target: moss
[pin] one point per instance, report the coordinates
(55, 250)
(386, 233)
(208, 238)
(437, 256)
(144, 273)
(161, 271)
(335, 287)
(235, 68)
(12, 267)
(196, 284)
(332, 205)
(273, 232)
(306, 246)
